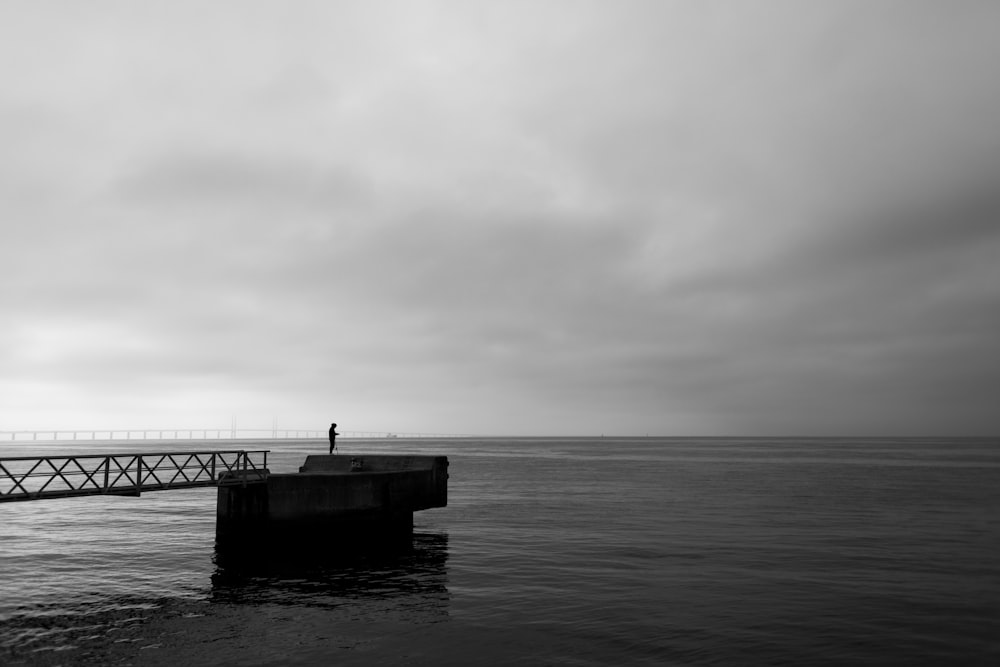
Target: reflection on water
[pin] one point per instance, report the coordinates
(297, 572)
(384, 584)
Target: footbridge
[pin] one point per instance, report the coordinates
(40, 477)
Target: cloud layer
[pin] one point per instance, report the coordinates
(508, 218)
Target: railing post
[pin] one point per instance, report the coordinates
(213, 467)
(138, 477)
(107, 472)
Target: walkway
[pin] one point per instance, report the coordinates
(38, 477)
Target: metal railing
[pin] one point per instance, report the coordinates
(38, 477)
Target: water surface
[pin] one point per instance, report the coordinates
(561, 551)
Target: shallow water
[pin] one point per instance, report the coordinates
(551, 551)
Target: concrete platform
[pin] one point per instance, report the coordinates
(362, 495)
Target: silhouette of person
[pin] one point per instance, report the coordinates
(333, 437)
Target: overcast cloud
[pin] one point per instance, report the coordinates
(556, 217)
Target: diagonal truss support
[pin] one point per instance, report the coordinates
(35, 478)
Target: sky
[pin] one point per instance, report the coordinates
(501, 218)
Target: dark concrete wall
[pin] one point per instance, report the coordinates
(381, 488)
(238, 503)
(372, 463)
(303, 495)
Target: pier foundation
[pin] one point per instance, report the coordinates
(333, 499)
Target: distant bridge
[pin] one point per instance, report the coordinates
(203, 434)
(39, 477)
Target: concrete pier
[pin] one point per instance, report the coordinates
(334, 497)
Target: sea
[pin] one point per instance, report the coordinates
(551, 551)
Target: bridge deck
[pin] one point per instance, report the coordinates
(39, 477)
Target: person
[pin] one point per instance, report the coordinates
(333, 437)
